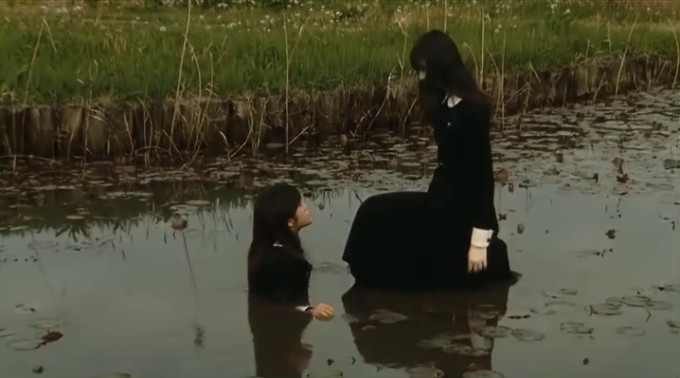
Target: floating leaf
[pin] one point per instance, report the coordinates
(616, 301)
(559, 293)
(560, 303)
(482, 374)
(474, 352)
(26, 308)
(605, 309)
(425, 372)
(387, 317)
(636, 300)
(24, 344)
(576, 328)
(527, 335)
(198, 203)
(5, 333)
(630, 331)
(45, 323)
(495, 332)
(326, 374)
(544, 311)
(38, 370)
(435, 343)
(673, 288)
(518, 316)
(658, 305)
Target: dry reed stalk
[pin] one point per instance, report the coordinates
(181, 64)
(502, 83)
(289, 58)
(677, 51)
(481, 69)
(623, 57)
(446, 14)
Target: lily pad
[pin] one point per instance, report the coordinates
(495, 332)
(482, 374)
(24, 344)
(560, 303)
(630, 331)
(425, 372)
(576, 328)
(544, 311)
(387, 317)
(5, 333)
(559, 293)
(527, 335)
(41, 245)
(198, 203)
(658, 305)
(615, 301)
(474, 352)
(673, 288)
(45, 323)
(605, 309)
(435, 343)
(26, 308)
(636, 300)
(326, 374)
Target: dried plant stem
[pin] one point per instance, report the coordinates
(677, 51)
(623, 57)
(179, 74)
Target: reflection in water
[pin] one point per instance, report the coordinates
(277, 339)
(437, 330)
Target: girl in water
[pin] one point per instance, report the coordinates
(446, 236)
(277, 267)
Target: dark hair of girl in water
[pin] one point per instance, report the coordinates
(273, 209)
(436, 56)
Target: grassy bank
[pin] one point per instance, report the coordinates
(64, 51)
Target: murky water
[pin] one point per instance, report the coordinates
(590, 210)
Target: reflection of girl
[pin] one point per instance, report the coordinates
(446, 236)
(435, 318)
(277, 267)
(277, 333)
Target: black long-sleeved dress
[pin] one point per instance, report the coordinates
(420, 240)
(282, 277)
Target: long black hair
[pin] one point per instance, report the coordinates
(273, 207)
(436, 54)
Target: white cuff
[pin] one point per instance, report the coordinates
(480, 342)
(481, 238)
(304, 308)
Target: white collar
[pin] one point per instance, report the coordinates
(452, 100)
(277, 244)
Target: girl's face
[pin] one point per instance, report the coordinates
(302, 217)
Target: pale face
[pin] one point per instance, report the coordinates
(302, 217)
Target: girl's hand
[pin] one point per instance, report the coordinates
(323, 311)
(476, 259)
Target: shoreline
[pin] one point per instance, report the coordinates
(249, 125)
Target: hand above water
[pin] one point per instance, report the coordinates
(323, 311)
(476, 259)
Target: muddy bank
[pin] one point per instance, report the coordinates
(249, 124)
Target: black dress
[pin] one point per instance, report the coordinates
(420, 240)
(282, 277)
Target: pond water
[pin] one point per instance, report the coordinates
(590, 209)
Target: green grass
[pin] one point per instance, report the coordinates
(88, 49)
